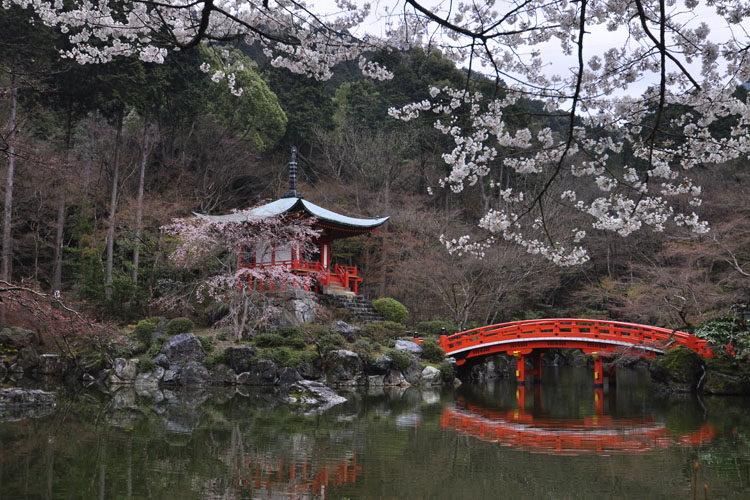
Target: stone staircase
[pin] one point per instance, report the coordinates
(357, 305)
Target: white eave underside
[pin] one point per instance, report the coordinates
(283, 205)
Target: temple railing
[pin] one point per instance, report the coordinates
(346, 275)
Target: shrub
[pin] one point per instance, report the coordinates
(431, 351)
(381, 331)
(400, 359)
(216, 358)
(365, 351)
(447, 371)
(282, 356)
(724, 330)
(144, 330)
(223, 335)
(277, 340)
(179, 325)
(435, 327)
(391, 310)
(146, 363)
(329, 341)
(291, 332)
(206, 342)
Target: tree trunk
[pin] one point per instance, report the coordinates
(139, 203)
(60, 225)
(5, 271)
(113, 211)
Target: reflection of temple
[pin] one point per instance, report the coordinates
(263, 477)
(597, 434)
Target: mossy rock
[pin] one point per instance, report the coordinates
(722, 383)
(679, 369)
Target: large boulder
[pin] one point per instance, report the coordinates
(344, 368)
(15, 397)
(292, 308)
(312, 397)
(395, 378)
(288, 376)
(126, 369)
(309, 371)
(413, 372)
(381, 365)
(409, 346)
(194, 374)
(16, 337)
(222, 374)
(150, 379)
(240, 358)
(679, 370)
(349, 332)
(264, 372)
(28, 359)
(182, 348)
(430, 376)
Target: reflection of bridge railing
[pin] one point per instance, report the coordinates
(295, 479)
(597, 434)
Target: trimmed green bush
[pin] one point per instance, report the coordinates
(435, 326)
(382, 331)
(365, 351)
(277, 340)
(216, 358)
(206, 342)
(447, 371)
(291, 332)
(282, 356)
(391, 310)
(400, 360)
(329, 341)
(146, 363)
(179, 325)
(144, 330)
(432, 352)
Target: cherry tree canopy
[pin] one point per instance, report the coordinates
(696, 54)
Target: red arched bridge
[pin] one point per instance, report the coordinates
(531, 338)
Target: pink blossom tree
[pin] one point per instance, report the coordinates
(214, 248)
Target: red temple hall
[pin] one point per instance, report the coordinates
(330, 278)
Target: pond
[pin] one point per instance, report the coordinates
(561, 439)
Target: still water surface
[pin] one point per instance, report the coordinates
(560, 440)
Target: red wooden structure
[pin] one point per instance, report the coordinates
(600, 338)
(328, 277)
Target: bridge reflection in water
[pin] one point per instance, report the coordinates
(595, 434)
(293, 479)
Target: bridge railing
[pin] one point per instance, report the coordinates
(651, 337)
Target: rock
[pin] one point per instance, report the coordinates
(126, 369)
(413, 372)
(172, 375)
(28, 358)
(161, 360)
(50, 364)
(25, 398)
(430, 376)
(395, 378)
(88, 378)
(221, 374)
(723, 383)
(309, 371)
(124, 397)
(15, 368)
(313, 397)
(376, 381)
(344, 368)
(288, 376)
(149, 379)
(292, 308)
(349, 332)
(3, 371)
(240, 358)
(182, 348)
(409, 346)
(381, 365)
(678, 370)
(16, 337)
(264, 372)
(194, 374)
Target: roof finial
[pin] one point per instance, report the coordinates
(292, 193)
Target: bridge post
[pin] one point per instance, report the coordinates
(599, 400)
(598, 371)
(520, 368)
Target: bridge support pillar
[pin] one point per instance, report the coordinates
(520, 369)
(598, 371)
(599, 400)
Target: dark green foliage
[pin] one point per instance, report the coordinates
(435, 326)
(146, 363)
(223, 335)
(724, 330)
(179, 325)
(217, 358)
(400, 359)
(144, 330)
(431, 351)
(447, 371)
(391, 310)
(206, 342)
(382, 331)
(155, 347)
(278, 340)
(290, 332)
(282, 356)
(329, 341)
(680, 367)
(365, 351)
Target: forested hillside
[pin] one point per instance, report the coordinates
(97, 158)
